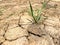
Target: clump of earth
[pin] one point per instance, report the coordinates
(16, 27)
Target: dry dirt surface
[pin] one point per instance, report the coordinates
(16, 29)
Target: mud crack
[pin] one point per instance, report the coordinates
(36, 34)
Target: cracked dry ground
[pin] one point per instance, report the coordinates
(15, 29)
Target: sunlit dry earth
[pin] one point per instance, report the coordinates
(16, 26)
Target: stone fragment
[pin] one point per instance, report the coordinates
(20, 41)
(53, 21)
(2, 39)
(15, 33)
(52, 31)
(2, 32)
(44, 40)
(36, 29)
(25, 20)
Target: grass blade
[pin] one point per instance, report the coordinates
(32, 13)
(45, 4)
(31, 8)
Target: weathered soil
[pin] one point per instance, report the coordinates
(16, 27)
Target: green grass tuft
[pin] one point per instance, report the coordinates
(38, 17)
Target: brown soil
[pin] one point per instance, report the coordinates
(16, 29)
